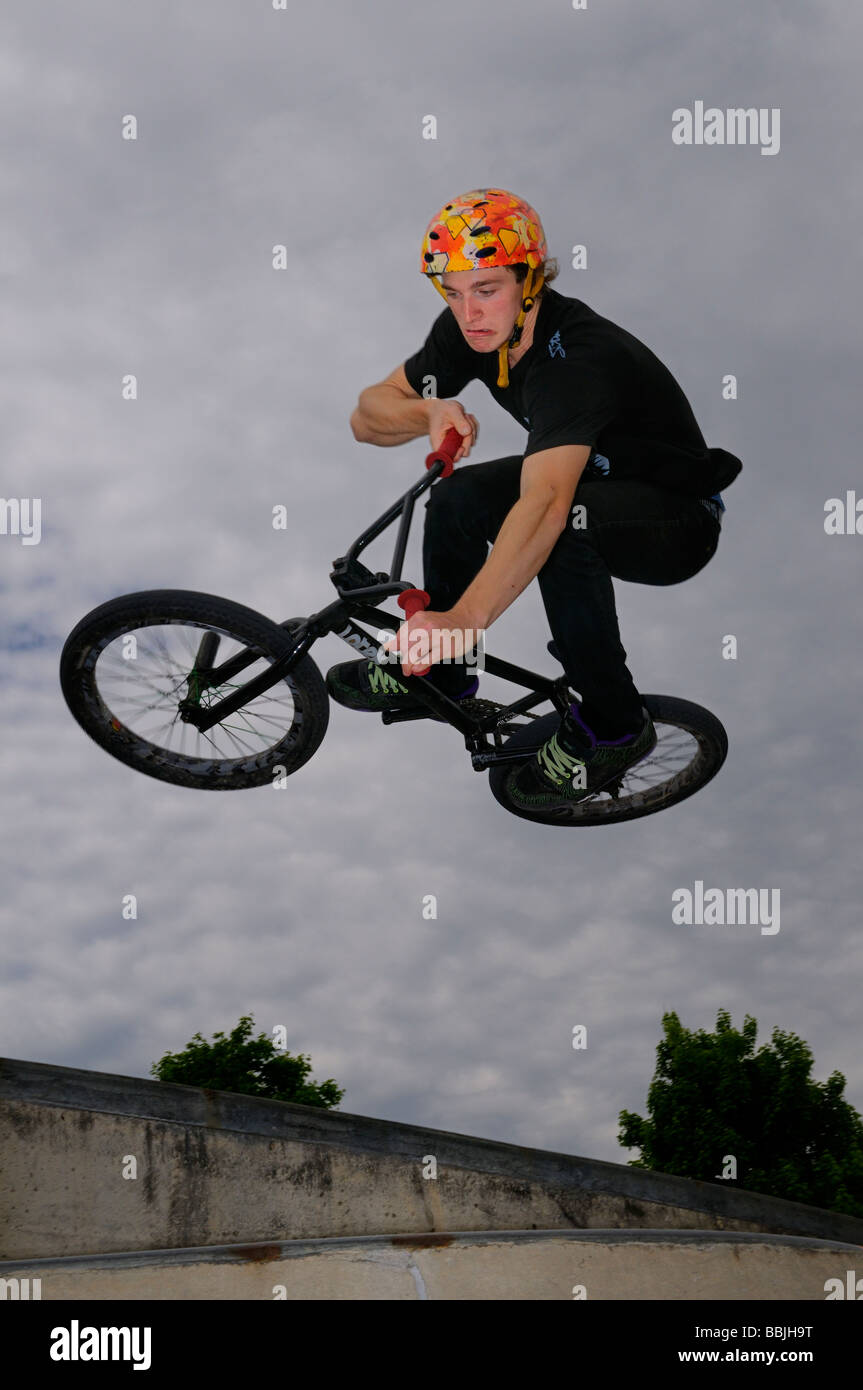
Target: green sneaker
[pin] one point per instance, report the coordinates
(574, 763)
(366, 685)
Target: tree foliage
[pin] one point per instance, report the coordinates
(250, 1066)
(713, 1095)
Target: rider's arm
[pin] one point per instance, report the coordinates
(569, 399)
(528, 534)
(394, 412)
(390, 412)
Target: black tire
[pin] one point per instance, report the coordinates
(143, 700)
(644, 790)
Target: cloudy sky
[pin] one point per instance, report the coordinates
(304, 126)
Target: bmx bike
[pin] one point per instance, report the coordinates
(203, 692)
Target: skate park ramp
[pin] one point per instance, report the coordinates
(116, 1187)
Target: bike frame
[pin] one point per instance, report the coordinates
(358, 589)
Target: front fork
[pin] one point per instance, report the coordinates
(205, 676)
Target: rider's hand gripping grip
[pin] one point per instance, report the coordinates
(450, 445)
(412, 600)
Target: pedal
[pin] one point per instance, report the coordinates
(479, 709)
(401, 716)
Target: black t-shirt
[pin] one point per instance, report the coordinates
(584, 380)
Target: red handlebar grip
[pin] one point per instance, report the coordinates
(450, 445)
(412, 600)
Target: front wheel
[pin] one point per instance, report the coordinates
(691, 746)
(133, 669)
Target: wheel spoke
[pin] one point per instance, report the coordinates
(145, 692)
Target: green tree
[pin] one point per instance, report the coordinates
(712, 1094)
(247, 1065)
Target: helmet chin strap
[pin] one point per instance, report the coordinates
(532, 286)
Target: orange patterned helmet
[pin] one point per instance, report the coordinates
(487, 227)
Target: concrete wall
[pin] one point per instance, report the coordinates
(220, 1169)
(517, 1265)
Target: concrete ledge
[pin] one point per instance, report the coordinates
(216, 1169)
(655, 1265)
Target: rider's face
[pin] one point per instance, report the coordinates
(485, 303)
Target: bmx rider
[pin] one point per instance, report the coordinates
(616, 481)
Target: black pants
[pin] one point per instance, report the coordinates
(632, 531)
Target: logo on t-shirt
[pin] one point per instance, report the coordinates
(555, 346)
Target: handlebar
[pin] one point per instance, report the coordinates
(449, 446)
(412, 600)
(351, 577)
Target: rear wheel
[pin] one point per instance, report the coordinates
(691, 746)
(133, 668)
